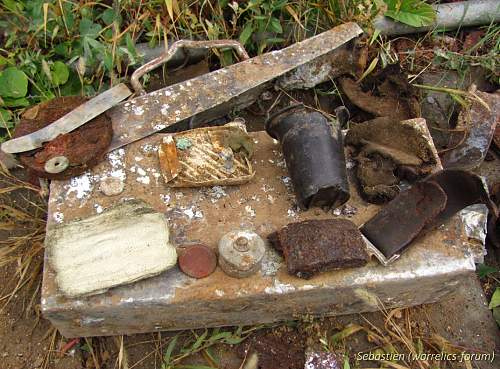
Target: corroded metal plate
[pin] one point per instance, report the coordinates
(434, 265)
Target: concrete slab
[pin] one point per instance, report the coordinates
(432, 268)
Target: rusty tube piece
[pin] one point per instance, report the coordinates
(183, 44)
(314, 155)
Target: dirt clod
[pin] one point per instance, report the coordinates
(387, 151)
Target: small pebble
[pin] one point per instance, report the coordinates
(111, 186)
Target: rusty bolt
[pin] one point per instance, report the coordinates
(197, 261)
(241, 253)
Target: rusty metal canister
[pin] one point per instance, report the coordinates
(314, 155)
(241, 253)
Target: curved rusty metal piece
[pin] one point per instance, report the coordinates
(184, 44)
(424, 207)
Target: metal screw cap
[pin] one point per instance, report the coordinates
(198, 261)
(241, 253)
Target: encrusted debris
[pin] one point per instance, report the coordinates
(215, 156)
(388, 151)
(314, 246)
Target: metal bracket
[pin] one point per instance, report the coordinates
(183, 44)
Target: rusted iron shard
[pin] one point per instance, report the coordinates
(424, 207)
(314, 246)
(169, 161)
(387, 151)
(400, 221)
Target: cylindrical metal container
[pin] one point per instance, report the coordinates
(314, 155)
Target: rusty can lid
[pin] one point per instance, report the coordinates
(241, 253)
(197, 261)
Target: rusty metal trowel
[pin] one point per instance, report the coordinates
(207, 156)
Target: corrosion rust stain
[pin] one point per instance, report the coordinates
(84, 147)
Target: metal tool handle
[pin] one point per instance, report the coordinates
(184, 44)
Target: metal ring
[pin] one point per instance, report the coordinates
(57, 164)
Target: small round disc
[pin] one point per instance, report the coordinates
(198, 261)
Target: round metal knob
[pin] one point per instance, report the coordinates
(241, 253)
(57, 164)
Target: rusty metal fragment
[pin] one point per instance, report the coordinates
(400, 221)
(424, 207)
(388, 151)
(196, 101)
(314, 155)
(207, 156)
(197, 261)
(169, 161)
(241, 253)
(478, 123)
(68, 154)
(315, 246)
(383, 94)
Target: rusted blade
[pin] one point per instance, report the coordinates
(70, 121)
(214, 94)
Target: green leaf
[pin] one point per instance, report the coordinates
(20, 102)
(415, 13)
(13, 6)
(168, 352)
(276, 25)
(246, 33)
(346, 363)
(495, 299)
(108, 16)
(220, 336)
(5, 118)
(199, 341)
(484, 270)
(496, 314)
(234, 340)
(60, 73)
(89, 29)
(13, 83)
